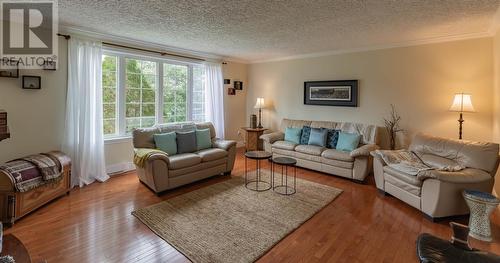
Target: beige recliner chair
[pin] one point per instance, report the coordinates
(439, 193)
(163, 172)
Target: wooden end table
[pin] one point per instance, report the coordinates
(253, 143)
(12, 246)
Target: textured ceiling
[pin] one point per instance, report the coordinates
(254, 30)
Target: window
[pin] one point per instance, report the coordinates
(109, 98)
(140, 92)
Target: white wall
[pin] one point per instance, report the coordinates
(420, 81)
(496, 100)
(35, 117)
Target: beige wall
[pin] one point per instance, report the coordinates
(35, 117)
(235, 105)
(420, 81)
(496, 100)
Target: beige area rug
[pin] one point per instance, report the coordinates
(226, 222)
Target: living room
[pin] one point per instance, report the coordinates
(211, 131)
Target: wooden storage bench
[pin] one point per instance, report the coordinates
(14, 205)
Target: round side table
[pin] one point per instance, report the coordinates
(481, 206)
(284, 188)
(258, 184)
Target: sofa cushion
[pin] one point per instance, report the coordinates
(293, 135)
(337, 163)
(318, 137)
(332, 138)
(337, 155)
(211, 154)
(348, 141)
(410, 179)
(186, 142)
(304, 137)
(203, 139)
(166, 142)
(468, 175)
(284, 145)
(310, 149)
(183, 160)
(396, 181)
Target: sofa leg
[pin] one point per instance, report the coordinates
(227, 173)
(382, 192)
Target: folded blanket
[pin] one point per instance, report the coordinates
(141, 155)
(48, 168)
(403, 161)
(24, 175)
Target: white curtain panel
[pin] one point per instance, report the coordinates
(83, 140)
(214, 99)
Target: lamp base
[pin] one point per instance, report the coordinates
(460, 123)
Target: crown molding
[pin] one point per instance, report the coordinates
(145, 44)
(380, 47)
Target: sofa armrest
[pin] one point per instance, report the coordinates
(224, 144)
(364, 150)
(272, 137)
(144, 155)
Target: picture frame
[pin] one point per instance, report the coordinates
(32, 82)
(343, 93)
(10, 72)
(231, 91)
(227, 81)
(238, 85)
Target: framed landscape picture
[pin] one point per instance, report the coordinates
(331, 93)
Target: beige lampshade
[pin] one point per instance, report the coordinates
(462, 103)
(259, 104)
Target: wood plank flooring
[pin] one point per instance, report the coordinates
(94, 224)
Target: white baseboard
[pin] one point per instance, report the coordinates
(120, 168)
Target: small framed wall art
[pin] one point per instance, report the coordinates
(238, 85)
(9, 69)
(32, 82)
(342, 93)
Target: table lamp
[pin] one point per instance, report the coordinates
(259, 105)
(462, 103)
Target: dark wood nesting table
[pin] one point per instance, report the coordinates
(12, 246)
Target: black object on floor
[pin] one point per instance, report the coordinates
(433, 249)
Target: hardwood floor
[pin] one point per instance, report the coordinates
(94, 224)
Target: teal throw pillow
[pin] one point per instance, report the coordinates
(348, 141)
(318, 137)
(293, 135)
(166, 142)
(203, 140)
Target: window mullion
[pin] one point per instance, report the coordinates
(159, 100)
(189, 93)
(121, 95)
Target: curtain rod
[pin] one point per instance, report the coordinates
(140, 49)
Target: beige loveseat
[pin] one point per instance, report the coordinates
(438, 193)
(354, 165)
(163, 172)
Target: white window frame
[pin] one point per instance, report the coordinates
(121, 56)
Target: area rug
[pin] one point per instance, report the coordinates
(226, 222)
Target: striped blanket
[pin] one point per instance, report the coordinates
(33, 171)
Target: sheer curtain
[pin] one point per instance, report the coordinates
(214, 98)
(83, 140)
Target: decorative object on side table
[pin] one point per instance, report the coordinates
(253, 121)
(259, 104)
(481, 206)
(252, 138)
(331, 93)
(32, 82)
(284, 188)
(258, 184)
(462, 102)
(392, 126)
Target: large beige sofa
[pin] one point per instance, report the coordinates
(163, 172)
(354, 165)
(438, 193)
